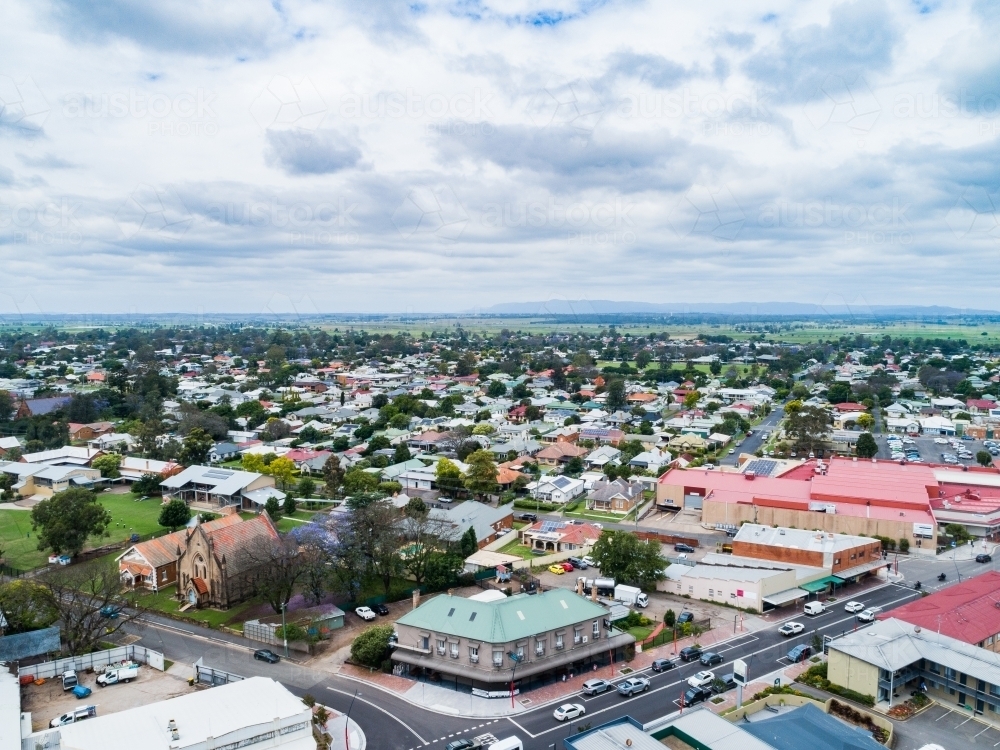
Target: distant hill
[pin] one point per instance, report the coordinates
(610, 307)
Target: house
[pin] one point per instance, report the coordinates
(113, 441)
(224, 451)
(980, 406)
(558, 454)
(33, 407)
(556, 536)
(618, 496)
(651, 460)
(556, 489)
(602, 435)
(153, 564)
(471, 640)
(68, 455)
(216, 567)
(44, 480)
(488, 522)
(84, 432)
(429, 441)
(687, 443)
(601, 457)
(568, 434)
(8, 444)
(217, 488)
(849, 406)
(133, 469)
(518, 447)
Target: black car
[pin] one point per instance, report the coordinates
(984, 558)
(696, 695)
(710, 657)
(266, 654)
(462, 744)
(380, 609)
(690, 653)
(527, 517)
(679, 547)
(724, 683)
(577, 563)
(662, 665)
(684, 617)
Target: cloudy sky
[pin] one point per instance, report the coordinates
(253, 156)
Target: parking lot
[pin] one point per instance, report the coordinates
(950, 727)
(932, 452)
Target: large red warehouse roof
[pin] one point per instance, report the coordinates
(967, 611)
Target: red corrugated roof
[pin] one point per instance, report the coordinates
(967, 611)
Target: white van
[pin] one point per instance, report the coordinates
(508, 743)
(814, 608)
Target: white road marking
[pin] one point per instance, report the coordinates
(374, 705)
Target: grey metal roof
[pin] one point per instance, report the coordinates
(893, 644)
(808, 726)
(788, 595)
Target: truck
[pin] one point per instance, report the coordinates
(605, 586)
(631, 595)
(71, 717)
(119, 674)
(69, 680)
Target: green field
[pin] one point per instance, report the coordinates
(165, 601)
(129, 516)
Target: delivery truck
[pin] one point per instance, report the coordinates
(118, 674)
(630, 595)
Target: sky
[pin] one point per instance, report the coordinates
(246, 156)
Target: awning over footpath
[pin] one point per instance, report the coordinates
(862, 569)
(822, 584)
(783, 597)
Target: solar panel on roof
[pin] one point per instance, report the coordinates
(218, 474)
(761, 467)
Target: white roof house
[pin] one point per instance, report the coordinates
(216, 486)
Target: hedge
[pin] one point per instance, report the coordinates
(816, 676)
(532, 505)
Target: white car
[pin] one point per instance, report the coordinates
(853, 607)
(590, 561)
(365, 613)
(940, 441)
(867, 615)
(702, 679)
(791, 628)
(568, 711)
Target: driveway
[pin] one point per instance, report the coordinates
(950, 727)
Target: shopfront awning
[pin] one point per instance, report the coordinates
(783, 597)
(858, 570)
(822, 584)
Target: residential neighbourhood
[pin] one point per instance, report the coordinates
(456, 520)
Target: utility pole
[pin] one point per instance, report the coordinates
(284, 630)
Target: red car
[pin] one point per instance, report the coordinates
(568, 567)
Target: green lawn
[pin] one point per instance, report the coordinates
(164, 601)
(641, 632)
(516, 548)
(128, 516)
(591, 515)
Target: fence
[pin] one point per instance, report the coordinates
(96, 660)
(655, 536)
(9, 572)
(502, 541)
(259, 631)
(212, 676)
(667, 634)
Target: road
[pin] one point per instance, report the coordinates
(752, 443)
(394, 724)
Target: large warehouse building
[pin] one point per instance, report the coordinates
(842, 495)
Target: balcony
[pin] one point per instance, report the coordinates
(474, 659)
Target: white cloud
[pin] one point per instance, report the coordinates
(198, 157)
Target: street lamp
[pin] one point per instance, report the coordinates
(284, 630)
(347, 721)
(517, 659)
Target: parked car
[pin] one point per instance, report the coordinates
(684, 617)
(365, 613)
(791, 628)
(799, 653)
(527, 517)
(867, 615)
(633, 685)
(266, 654)
(662, 665)
(853, 607)
(696, 695)
(710, 658)
(724, 683)
(589, 561)
(984, 558)
(567, 567)
(594, 687)
(380, 609)
(111, 611)
(702, 679)
(568, 711)
(577, 563)
(557, 568)
(462, 744)
(71, 717)
(690, 653)
(679, 547)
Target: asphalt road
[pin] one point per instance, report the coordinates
(394, 724)
(752, 443)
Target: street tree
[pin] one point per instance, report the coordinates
(616, 395)
(274, 568)
(447, 476)
(623, 556)
(333, 476)
(26, 605)
(808, 427)
(174, 514)
(866, 446)
(197, 445)
(983, 458)
(80, 593)
(866, 421)
(481, 476)
(376, 531)
(65, 520)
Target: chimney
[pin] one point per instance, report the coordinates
(593, 591)
(416, 597)
(451, 592)
(579, 586)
